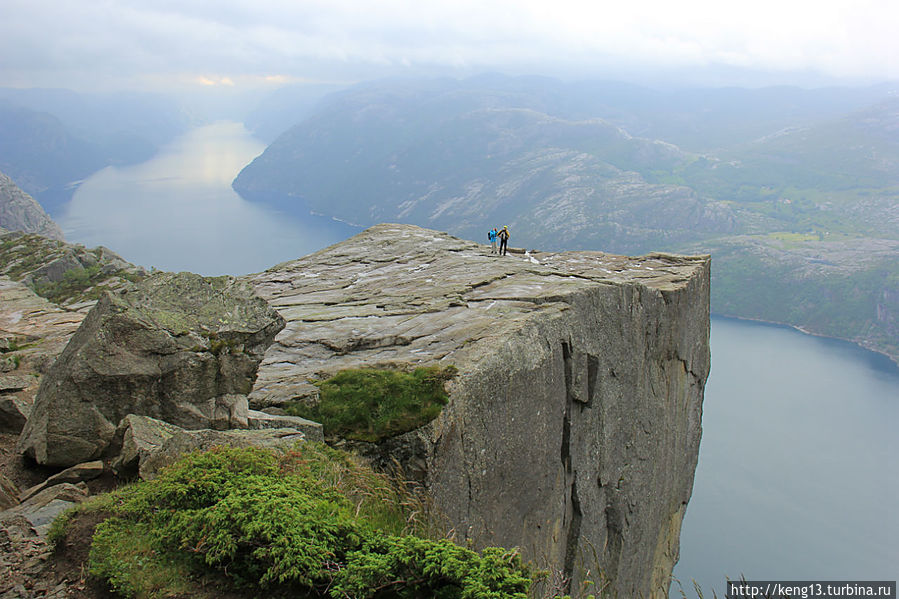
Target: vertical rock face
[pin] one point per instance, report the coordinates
(577, 438)
(573, 427)
(178, 347)
(20, 212)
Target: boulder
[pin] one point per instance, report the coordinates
(13, 408)
(174, 347)
(39, 511)
(149, 444)
(230, 411)
(12, 384)
(75, 474)
(141, 436)
(184, 442)
(262, 420)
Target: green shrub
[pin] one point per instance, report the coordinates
(371, 405)
(126, 554)
(313, 522)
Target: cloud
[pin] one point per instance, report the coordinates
(42, 41)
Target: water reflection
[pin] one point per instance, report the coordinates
(178, 211)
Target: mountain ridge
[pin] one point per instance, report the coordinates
(464, 158)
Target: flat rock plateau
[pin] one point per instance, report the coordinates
(573, 425)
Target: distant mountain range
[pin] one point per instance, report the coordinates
(809, 176)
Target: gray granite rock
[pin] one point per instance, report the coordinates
(34, 332)
(12, 383)
(141, 436)
(9, 493)
(20, 212)
(573, 427)
(39, 510)
(230, 411)
(13, 413)
(76, 474)
(184, 442)
(260, 421)
(13, 408)
(149, 444)
(173, 347)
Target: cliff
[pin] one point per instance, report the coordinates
(20, 212)
(573, 427)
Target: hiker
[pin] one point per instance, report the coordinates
(491, 235)
(503, 240)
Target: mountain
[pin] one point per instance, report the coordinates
(462, 155)
(696, 119)
(284, 108)
(460, 159)
(109, 119)
(39, 153)
(598, 166)
(19, 212)
(711, 119)
(836, 175)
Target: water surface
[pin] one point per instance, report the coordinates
(798, 475)
(177, 211)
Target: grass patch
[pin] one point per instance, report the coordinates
(793, 237)
(311, 523)
(371, 405)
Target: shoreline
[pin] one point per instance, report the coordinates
(859, 344)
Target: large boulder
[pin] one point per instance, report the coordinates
(148, 445)
(33, 332)
(177, 347)
(141, 436)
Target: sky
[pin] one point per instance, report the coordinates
(239, 44)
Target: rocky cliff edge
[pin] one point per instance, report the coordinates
(573, 427)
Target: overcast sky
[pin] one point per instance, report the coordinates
(85, 44)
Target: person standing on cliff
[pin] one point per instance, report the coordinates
(491, 235)
(504, 240)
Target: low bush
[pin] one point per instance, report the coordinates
(311, 523)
